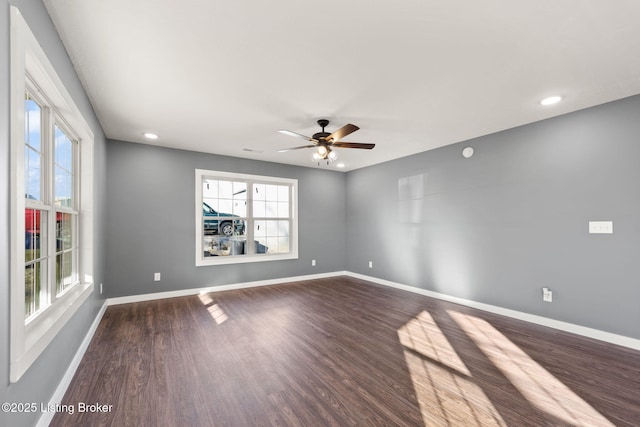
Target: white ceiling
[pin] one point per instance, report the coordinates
(221, 77)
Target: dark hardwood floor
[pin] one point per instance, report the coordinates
(342, 352)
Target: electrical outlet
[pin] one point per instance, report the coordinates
(370, 264)
(156, 277)
(313, 263)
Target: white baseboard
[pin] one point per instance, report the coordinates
(196, 291)
(532, 318)
(58, 395)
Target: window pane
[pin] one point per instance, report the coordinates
(210, 189)
(259, 209)
(32, 173)
(259, 192)
(239, 199)
(272, 209)
(274, 235)
(64, 231)
(239, 190)
(221, 245)
(210, 207)
(272, 228)
(283, 210)
(226, 189)
(283, 244)
(32, 287)
(63, 169)
(64, 271)
(272, 193)
(33, 149)
(283, 193)
(240, 208)
(260, 229)
(63, 150)
(272, 244)
(225, 206)
(34, 224)
(283, 228)
(32, 124)
(63, 188)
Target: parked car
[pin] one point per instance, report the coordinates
(220, 222)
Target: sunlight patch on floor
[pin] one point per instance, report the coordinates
(535, 383)
(423, 335)
(444, 388)
(216, 312)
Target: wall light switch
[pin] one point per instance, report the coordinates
(313, 262)
(547, 295)
(370, 264)
(600, 227)
(156, 277)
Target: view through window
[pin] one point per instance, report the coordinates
(244, 218)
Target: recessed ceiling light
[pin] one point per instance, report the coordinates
(551, 100)
(150, 135)
(340, 165)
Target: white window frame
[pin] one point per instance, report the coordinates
(201, 260)
(29, 337)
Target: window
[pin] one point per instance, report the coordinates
(51, 221)
(50, 230)
(235, 209)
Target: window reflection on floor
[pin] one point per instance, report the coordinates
(444, 388)
(537, 385)
(216, 312)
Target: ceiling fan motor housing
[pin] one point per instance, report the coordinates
(320, 135)
(323, 123)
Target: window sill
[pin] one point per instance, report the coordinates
(41, 330)
(239, 259)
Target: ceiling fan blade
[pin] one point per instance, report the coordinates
(353, 145)
(284, 150)
(295, 134)
(342, 132)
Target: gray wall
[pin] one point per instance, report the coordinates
(40, 381)
(151, 220)
(499, 226)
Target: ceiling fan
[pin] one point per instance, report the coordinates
(325, 141)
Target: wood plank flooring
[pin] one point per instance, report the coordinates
(343, 352)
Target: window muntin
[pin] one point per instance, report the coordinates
(234, 209)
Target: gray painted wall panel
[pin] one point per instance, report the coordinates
(40, 381)
(151, 220)
(513, 218)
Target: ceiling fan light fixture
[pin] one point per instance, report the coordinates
(322, 151)
(332, 155)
